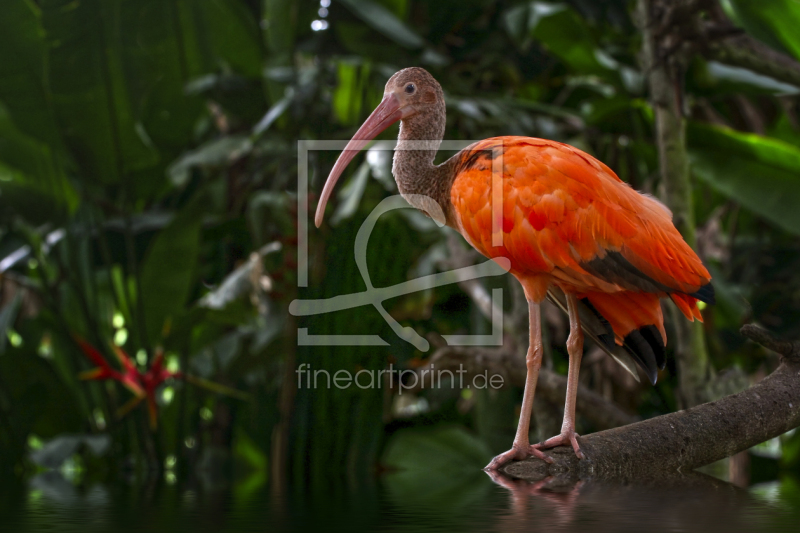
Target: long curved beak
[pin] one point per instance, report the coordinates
(387, 113)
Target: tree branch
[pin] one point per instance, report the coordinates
(786, 349)
(690, 438)
(747, 52)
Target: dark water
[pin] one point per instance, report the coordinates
(416, 502)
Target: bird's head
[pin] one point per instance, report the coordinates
(411, 94)
(417, 92)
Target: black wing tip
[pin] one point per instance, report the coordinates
(705, 294)
(608, 340)
(647, 349)
(606, 337)
(656, 342)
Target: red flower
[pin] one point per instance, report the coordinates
(130, 378)
(142, 385)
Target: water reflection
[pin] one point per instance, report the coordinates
(403, 501)
(688, 502)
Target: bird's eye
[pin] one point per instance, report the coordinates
(410, 88)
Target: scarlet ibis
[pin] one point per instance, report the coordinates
(571, 229)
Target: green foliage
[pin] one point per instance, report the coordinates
(383, 20)
(148, 147)
(760, 173)
(773, 22)
(167, 271)
(438, 467)
(441, 450)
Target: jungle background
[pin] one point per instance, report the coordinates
(148, 205)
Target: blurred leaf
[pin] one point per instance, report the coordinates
(33, 184)
(385, 22)
(23, 71)
(272, 115)
(168, 267)
(213, 153)
(348, 98)
(438, 467)
(774, 22)
(238, 283)
(162, 50)
(724, 72)
(562, 31)
(54, 452)
(439, 449)
(269, 216)
(246, 449)
(760, 173)
(350, 195)
(7, 317)
(90, 89)
(790, 449)
(234, 34)
(731, 307)
(120, 87)
(784, 130)
(279, 21)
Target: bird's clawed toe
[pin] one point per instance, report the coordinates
(516, 453)
(536, 452)
(567, 438)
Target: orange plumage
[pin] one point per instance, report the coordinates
(563, 213)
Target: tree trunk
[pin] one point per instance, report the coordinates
(663, 62)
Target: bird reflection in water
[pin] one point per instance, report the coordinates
(560, 495)
(690, 502)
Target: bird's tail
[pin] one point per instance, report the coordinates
(637, 324)
(629, 325)
(688, 305)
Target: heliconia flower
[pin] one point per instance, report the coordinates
(155, 376)
(130, 379)
(143, 385)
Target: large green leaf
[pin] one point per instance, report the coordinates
(23, 71)
(441, 449)
(775, 22)
(32, 183)
(233, 35)
(217, 153)
(761, 173)
(562, 31)
(118, 70)
(437, 467)
(167, 272)
(90, 93)
(348, 98)
(162, 51)
(32, 176)
(385, 21)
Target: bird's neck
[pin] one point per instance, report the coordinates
(420, 181)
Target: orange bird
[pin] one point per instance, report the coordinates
(571, 229)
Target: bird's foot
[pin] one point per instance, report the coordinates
(566, 438)
(516, 453)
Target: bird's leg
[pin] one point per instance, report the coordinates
(521, 448)
(575, 349)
